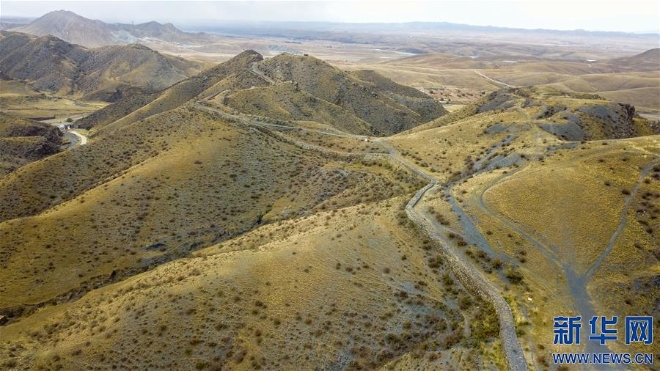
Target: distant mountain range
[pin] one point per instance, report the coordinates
(76, 29)
(319, 29)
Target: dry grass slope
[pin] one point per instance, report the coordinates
(285, 102)
(350, 289)
(115, 206)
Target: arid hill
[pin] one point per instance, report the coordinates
(185, 179)
(50, 64)
(647, 61)
(290, 88)
(71, 27)
(383, 104)
(138, 106)
(147, 194)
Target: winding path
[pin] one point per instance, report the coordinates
(255, 69)
(74, 137)
(577, 283)
(471, 277)
(82, 140)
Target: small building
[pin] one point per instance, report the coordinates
(65, 127)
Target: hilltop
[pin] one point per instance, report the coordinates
(76, 29)
(288, 88)
(71, 27)
(50, 64)
(386, 106)
(139, 106)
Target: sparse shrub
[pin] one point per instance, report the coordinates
(447, 280)
(435, 262)
(542, 360)
(464, 302)
(513, 275)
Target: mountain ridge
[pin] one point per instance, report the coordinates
(252, 85)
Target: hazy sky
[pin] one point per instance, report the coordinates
(628, 16)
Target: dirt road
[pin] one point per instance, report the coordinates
(471, 277)
(497, 82)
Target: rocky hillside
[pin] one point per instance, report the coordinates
(50, 64)
(573, 117)
(23, 141)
